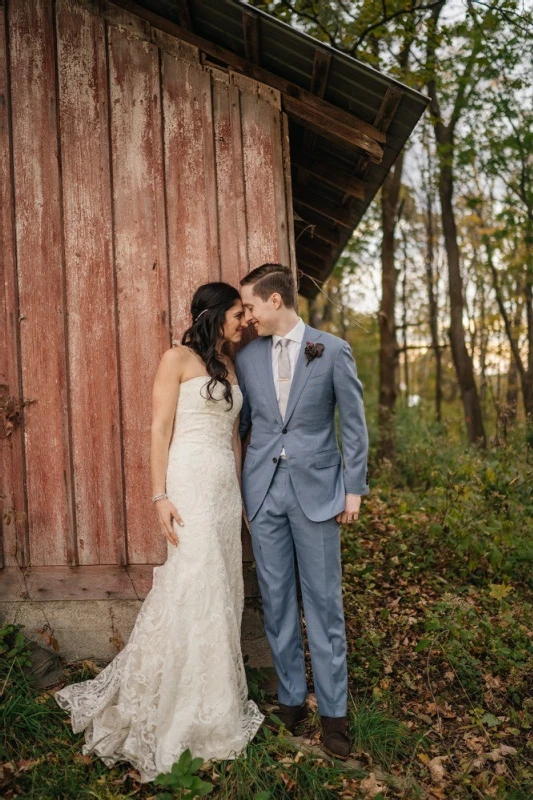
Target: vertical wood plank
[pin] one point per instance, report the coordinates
(288, 192)
(280, 201)
(41, 282)
(189, 171)
(261, 156)
(96, 428)
(210, 177)
(13, 548)
(241, 227)
(230, 182)
(141, 269)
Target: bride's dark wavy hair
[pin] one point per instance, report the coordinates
(208, 311)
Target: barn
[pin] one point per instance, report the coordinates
(146, 148)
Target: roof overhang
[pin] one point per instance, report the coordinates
(348, 121)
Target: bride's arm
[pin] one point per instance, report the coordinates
(164, 400)
(237, 450)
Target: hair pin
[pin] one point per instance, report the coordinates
(200, 314)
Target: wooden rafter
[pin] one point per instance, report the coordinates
(314, 265)
(251, 27)
(319, 230)
(319, 83)
(328, 171)
(387, 110)
(184, 15)
(338, 214)
(322, 122)
(314, 246)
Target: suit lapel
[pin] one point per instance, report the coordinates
(301, 372)
(263, 367)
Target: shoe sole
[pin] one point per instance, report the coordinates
(335, 755)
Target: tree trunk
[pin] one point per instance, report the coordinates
(483, 342)
(404, 321)
(461, 358)
(388, 351)
(511, 395)
(525, 373)
(433, 306)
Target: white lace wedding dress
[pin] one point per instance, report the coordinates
(179, 682)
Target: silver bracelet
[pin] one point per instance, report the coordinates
(162, 496)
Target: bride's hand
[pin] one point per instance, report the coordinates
(245, 520)
(166, 511)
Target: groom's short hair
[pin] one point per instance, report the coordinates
(270, 278)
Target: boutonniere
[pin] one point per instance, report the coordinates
(313, 351)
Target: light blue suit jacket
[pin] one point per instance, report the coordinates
(308, 432)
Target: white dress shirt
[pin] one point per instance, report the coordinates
(295, 337)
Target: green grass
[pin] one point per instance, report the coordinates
(375, 732)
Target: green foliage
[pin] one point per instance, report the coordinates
(479, 505)
(256, 678)
(13, 649)
(182, 778)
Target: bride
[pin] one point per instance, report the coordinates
(179, 683)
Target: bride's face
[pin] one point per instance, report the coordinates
(233, 323)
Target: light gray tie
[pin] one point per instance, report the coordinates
(284, 375)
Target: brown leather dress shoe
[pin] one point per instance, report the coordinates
(290, 716)
(336, 741)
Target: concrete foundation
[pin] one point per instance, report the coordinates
(98, 629)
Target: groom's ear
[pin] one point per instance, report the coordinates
(276, 300)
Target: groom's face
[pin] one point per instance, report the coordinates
(261, 314)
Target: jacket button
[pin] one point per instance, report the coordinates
(275, 460)
(284, 430)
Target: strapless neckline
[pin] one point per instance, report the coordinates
(207, 378)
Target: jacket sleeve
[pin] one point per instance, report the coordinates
(246, 417)
(354, 433)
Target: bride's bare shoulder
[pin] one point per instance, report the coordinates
(175, 357)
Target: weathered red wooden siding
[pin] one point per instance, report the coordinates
(130, 173)
(93, 368)
(41, 281)
(14, 541)
(189, 184)
(141, 265)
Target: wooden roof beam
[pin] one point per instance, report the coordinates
(251, 28)
(315, 247)
(321, 229)
(388, 108)
(319, 83)
(184, 15)
(313, 265)
(328, 171)
(389, 105)
(309, 110)
(338, 214)
(321, 121)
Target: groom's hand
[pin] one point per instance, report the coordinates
(351, 510)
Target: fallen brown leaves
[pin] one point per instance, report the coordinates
(387, 602)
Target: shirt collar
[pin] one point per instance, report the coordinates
(295, 335)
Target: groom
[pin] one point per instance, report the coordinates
(297, 491)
